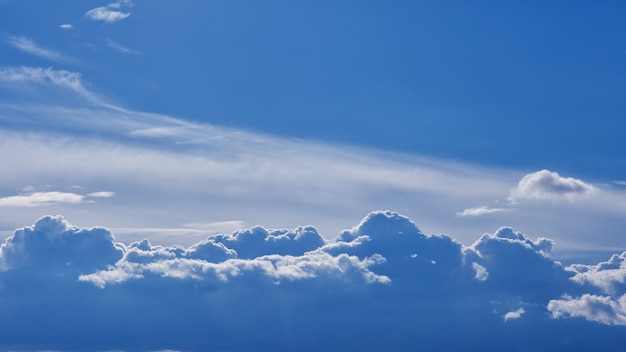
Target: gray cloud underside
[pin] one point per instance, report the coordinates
(380, 285)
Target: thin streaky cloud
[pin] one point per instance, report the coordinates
(117, 47)
(102, 194)
(41, 199)
(29, 46)
(478, 211)
(66, 26)
(48, 76)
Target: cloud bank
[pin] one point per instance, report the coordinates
(380, 285)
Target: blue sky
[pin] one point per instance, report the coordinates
(188, 122)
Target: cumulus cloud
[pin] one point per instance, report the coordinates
(28, 45)
(109, 13)
(549, 185)
(516, 314)
(264, 289)
(601, 309)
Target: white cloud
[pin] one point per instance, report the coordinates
(66, 26)
(38, 199)
(601, 309)
(383, 277)
(47, 76)
(481, 272)
(549, 185)
(29, 46)
(47, 199)
(109, 13)
(516, 314)
(479, 211)
(101, 194)
(234, 174)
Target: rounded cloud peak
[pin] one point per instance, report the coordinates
(549, 185)
(53, 242)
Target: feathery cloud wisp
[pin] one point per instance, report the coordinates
(29, 46)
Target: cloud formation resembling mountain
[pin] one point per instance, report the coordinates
(380, 285)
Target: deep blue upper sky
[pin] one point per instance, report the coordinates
(525, 84)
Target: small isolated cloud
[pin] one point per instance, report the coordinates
(514, 314)
(549, 185)
(109, 13)
(66, 26)
(120, 49)
(479, 211)
(29, 46)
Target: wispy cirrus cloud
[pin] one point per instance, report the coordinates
(117, 47)
(47, 77)
(29, 46)
(109, 13)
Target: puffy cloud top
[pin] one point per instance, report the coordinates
(53, 243)
(383, 281)
(549, 185)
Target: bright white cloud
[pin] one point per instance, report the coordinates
(109, 13)
(549, 185)
(66, 26)
(516, 314)
(29, 46)
(601, 309)
(46, 199)
(38, 199)
(479, 211)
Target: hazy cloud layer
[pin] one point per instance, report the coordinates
(381, 284)
(77, 137)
